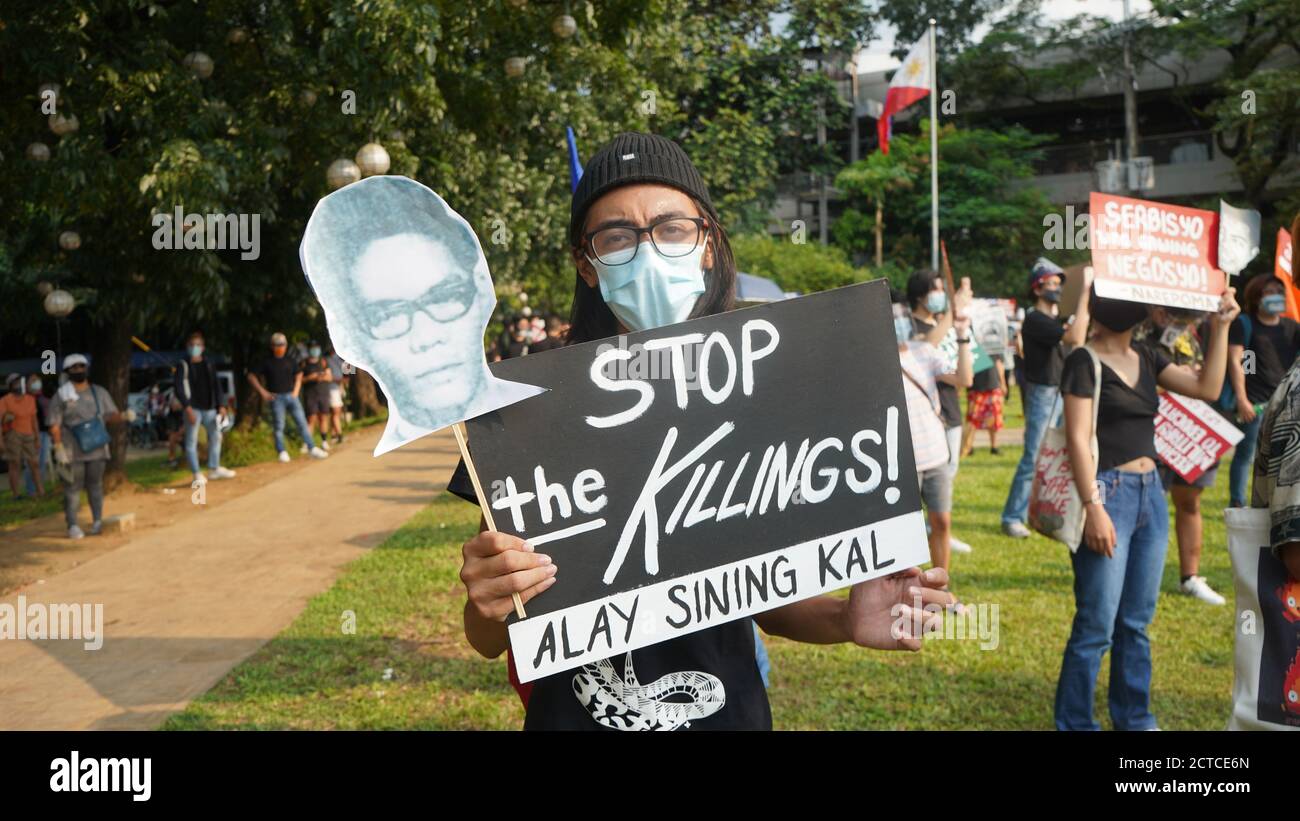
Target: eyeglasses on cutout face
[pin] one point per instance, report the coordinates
(445, 302)
(671, 237)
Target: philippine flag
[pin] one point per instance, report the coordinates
(911, 83)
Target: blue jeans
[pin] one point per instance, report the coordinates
(42, 459)
(1039, 401)
(760, 655)
(1114, 601)
(208, 419)
(279, 403)
(1243, 463)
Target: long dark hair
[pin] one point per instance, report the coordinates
(592, 319)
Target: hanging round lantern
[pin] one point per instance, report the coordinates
(61, 125)
(342, 172)
(523, 297)
(237, 35)
(526, 311)
(564, 26)
(43, 288)
(307, 97)
(200, 64)
(69, 240)
(372, 159)
(515, 66)
(38, 152)
(59, 303)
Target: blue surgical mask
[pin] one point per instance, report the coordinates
(651, 290)
(196, 350)
(1273, 304)
(902, 328)
(936, 302)
(35, 386)
(314, 353)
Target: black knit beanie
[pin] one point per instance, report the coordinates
(633, 157)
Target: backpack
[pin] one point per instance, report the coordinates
(1227, 397)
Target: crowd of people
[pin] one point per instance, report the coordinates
(61, 430)
(1097, 372)
(528, 334)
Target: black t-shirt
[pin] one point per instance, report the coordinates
(277, 374)
(713, 670)
(987, 380)
(1041, 336)
(545, 344)
(515, 348)
(202, 380)
(316, 390)
(949, 403)
(1275, 349)
(1125, 416)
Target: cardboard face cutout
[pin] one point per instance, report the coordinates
(407, 296)
(1238, 237)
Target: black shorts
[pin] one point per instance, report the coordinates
(1206, 479)
(317, 403)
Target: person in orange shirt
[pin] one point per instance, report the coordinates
(18, 410)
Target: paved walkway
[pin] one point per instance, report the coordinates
(185, 602)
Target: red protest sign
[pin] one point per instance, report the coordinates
(1154, 252)
(1191, 435)
(1283, 270)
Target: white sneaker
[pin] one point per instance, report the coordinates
(958, 546)
(199, 479)
(317, 453)
(1016, 530)
(1198, 588)
(96, 528)
(75, 532)
(284, 456)
(222, 473)
(324, 444)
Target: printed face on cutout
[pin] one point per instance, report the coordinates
(421, 318)
(407, 295)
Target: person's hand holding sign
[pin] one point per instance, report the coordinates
(885, 613)
(496, 567)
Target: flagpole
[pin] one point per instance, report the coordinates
(934, 154)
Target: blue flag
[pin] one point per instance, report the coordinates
(575, 167)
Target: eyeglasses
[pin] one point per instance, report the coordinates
(673, 237)
(444, 302)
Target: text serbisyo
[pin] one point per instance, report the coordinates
(179, 231)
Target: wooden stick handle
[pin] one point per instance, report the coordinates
(459, 430)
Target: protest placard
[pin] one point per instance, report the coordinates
(988, 322)
(1154, 252)
(1191, 435)
(703, 472)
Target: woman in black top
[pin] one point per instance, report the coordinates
(1271, 339)
(1118, 567)
(634, 186)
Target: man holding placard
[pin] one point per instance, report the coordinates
(650, 252)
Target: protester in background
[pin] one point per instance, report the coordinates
(278, 380)
(316, 378)
(544, 340)
(34, 482)
(338, 381)
(200, 397)
(1043, 336)
(19, 411)
(1118, 565)
(1271, 338)
(924, 369)
(933, 316)
(1177, 335)
(518, 342)
(83, 411)
(1277, 471)
(984, 406)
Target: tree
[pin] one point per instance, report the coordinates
(873, 179)
(991, 222)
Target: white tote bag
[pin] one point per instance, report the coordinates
(1266, 678)
(1055, 506)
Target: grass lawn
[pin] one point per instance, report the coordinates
(407, 598)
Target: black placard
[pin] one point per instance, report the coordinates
(669, 528)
